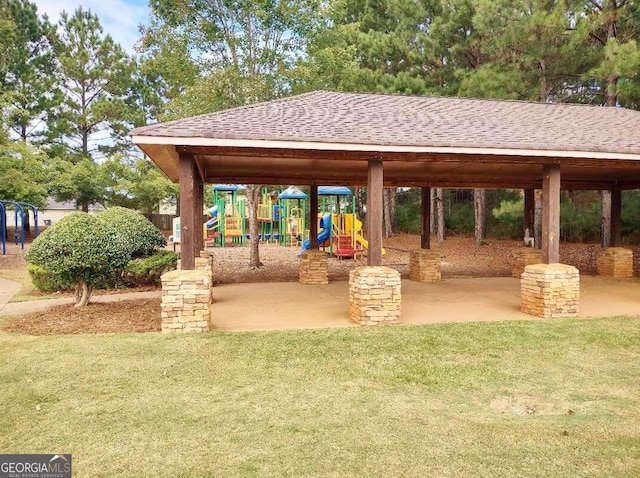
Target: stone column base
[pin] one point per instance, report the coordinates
(374, 295)
(550, 290)
(521, 258)
(186, 301)
(314, 268)
(424, 265)
(615, 262)
(205, 263)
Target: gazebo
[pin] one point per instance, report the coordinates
(377, 140)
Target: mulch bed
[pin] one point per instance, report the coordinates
(138, 315)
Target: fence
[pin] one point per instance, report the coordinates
(164, 222)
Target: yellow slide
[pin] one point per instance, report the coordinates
(358, 229)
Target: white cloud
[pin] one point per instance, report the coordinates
(119, 18)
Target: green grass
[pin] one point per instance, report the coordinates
(531, 399)
(28, 291)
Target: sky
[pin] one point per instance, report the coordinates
(119, 18)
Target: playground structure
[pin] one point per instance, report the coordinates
(340, 230)
(282, 220)
(21, 217)
(281, 217)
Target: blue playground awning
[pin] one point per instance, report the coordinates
(225, 187)
(292, 192)
(334, 191)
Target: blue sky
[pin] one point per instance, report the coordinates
(119, 18)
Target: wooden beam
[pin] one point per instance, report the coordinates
(374, 212)
(188, 226)
(425, 238)
(529, 211)
(616, 218)
(201, 168)
(551, 214)
(313, 217)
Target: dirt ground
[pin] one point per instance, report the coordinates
(461, 258)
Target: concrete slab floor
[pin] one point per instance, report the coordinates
(279, 306)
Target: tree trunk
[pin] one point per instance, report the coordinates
(361, 200)
(440, 209)
(389, 210)
(479, 209)
(83, 293)
(606, 218)
(432, 216)
(84, 206)
(537, 219)
(253, 199)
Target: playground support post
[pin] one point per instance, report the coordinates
(189, 221)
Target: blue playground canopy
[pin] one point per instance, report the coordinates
(292, 192)
(334, 191)
(225, 187)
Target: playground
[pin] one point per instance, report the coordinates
(282, 218)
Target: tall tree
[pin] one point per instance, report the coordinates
(237, 53)
(611, 28)
(95, 75)
(27, 69)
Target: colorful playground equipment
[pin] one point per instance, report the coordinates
(227, 217)
(292, 213)
(21, 216)
(339, 228)
(281, 217)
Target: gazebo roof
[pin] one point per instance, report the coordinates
(422, 140)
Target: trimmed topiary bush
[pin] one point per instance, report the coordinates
(46, 281)
(140, 236)
(80, 249)
(147, 271)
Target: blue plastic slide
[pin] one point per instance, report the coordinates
(323, 236)
(213, 222)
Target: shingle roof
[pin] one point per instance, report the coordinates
(394, 120)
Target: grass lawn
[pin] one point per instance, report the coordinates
(28, 290)
(533, 399)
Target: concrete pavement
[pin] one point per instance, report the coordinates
(8, 289)
(290, 305)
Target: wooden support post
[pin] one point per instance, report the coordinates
(529, 211)
(198, 200)
(189, 220)
(313, 217)
(425, 238)
(551, 214)
(374, 212)
(616, 218)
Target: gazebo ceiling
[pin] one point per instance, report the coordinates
(327, 138)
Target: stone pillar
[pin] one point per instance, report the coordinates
(615, 262)
(550, 290)
(374, 295)
(424, 265)
(186, 301)
(314, 268)
(205, 263)
(521, 258)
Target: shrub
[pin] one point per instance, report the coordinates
(46, 281)
(80, 249)
(140, 236)
(147, 271)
